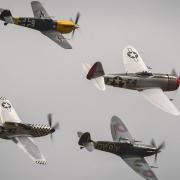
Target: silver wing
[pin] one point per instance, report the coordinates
(28, 146)
(119, 131)
(133, 62)
(139, 165)
(58, 38)
(39, 11)
(7, 112)
(160, 100)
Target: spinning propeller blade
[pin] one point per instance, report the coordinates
(54, 127)
(158, 149)
(76, 23)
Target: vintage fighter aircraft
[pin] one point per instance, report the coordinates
(126, 147)
(137, 77)
(42, 22)
(12, 128)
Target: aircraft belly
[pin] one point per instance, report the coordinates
(152, 83)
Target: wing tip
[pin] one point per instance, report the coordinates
(41, 162)
(115, 118)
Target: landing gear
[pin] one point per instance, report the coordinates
(5, 24)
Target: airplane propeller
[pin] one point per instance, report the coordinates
(177, 75)
(54, 127)
(76, 23)
(158, 149)
(174, 73)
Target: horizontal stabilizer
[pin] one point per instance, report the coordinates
(6, 16)
(95, 73)
(85, 141)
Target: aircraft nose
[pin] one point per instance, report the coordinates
(52, 130)
(178, 81)
(76, 26)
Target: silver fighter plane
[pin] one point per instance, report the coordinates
(126, 147)
(12, 128)
(137, 77)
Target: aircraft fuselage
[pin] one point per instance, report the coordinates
(125, 149)
(142, 81)
(62, 26)
(10, 130)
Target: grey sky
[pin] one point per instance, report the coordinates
(40, 77)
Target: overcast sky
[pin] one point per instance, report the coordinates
(40, 77)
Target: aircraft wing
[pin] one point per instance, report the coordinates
(159, 99)
(28, 146)
(139, 165)
(133, 62)
(119, 131)
(58, 38)
(39, 11)
(7, 112)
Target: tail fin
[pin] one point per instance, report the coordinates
(96, 74)
(85, 141)
(6, 16)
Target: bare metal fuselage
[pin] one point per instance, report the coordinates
(141, 81)
(11, 130)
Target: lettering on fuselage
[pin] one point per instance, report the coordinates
(38, 24)
(27, 22)
(108, 147)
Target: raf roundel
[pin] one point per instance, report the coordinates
(148, 173)
(121, 128)
(6, 105)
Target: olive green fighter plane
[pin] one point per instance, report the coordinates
(125, 147)
(137, 77)
(44, 23)
(22, 134)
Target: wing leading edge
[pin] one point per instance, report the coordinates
(159, 99)
(28, 146)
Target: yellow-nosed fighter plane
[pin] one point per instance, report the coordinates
(43, 23)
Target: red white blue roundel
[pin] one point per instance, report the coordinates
(148, 173)
(6, 105)
(121, 127)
